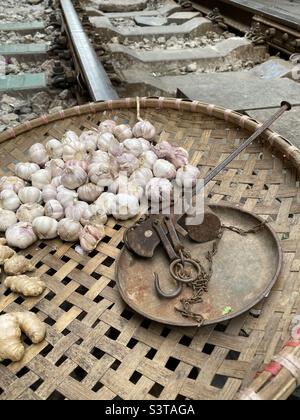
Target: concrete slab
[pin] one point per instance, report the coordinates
(24, 27)
(22, 82)
(151, 20)
(119, 5)
(273, 68)
(181, 17)
(17, 50)
(168, 7)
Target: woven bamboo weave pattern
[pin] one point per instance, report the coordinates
(96, 347)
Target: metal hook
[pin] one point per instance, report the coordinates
(163, 294)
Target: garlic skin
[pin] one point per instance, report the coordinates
(13, 183)
(146, 145)
(56, 167)
(94, 214)
(29, 195)
(73, 178)
(164, 150)
(123, 132)
(69, 230)
(49, 192)
(100, 157)
(45, 227)
(133, 146)
(144, 129)
(104, 141)
(74, 151)
(75, 211)
(148, 159)
(158, 189)
(41, 178)
(54, 149)
(77, 164)
(89, 192)
(180, 158)
(107, 126)
(54, 209)
(141, 176)
(20, 235)
(9, 200)
(128, 163)
(29, 212)
(56, 182)
(115, 148)
(89, 139)
(126, 207)
(107, 202)
(38, 154)
(24, 170)
(90, 236)
(187, 176)
(100, 175)
(164, 169)
(7, 219)
(65, 196)
(69, 137)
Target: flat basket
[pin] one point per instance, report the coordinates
(96, 347)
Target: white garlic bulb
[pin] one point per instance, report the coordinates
(7, 218)
(89, 192)
(69, 230)
(49, 192)
(20, 235)
(65, 196)
(56, 167)
(93, 214)
(104, 141)
(100, 157)
(45, 227)
(133, 146)
(128, 163)
(107, 202)
(100, 174)
(148, 159)
(54, 209)
(164, 169)
(69, 137)
(74, 151)
(135, 189)
(38, 154)
(123, 186)
(29, 195)
(141, 176)
(144, 129)
(75, 211)
(146, 145)
(73, 178)
(126, 207)
(24, 170)
(187, 176)
(83, 164)
(41, 178)
(90, 236)
(89, 139)
(11, 183)
(29, 212)
(107, 126)
(180, 158)
(56, 181)
(115, 148)
(159, 189)
(54, 148)
(123, 132)
(9, 200)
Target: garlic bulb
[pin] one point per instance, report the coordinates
(89, 139)
(9, 200)
(100, 174)
(74, 151)
(144, 129)
(122, 186)
(141, 176)
(56, 167)
(164, 169)
(93, 214)
(135, 189)
(148, 159)
(54, 148)
(73, 178)
(128, 163)
(89, 192)
(133, 146)
(29, 195)
(7, 218)
(54, 209)
(115, 148)
(164, 150)
(100, 157)
(69, 230)
(56, 181)
(107, 202)
(126, 207)
(123, 132)
(38, 154)
(146, 145)
(45, 227)
(180, 158)
(11, 183)
(24, 170)
(49, 192)
(66, 197)
(90, 236)
(75, 211)
(41, 178)
(69, 137)
(104, 141)
(29, 212)
(158, 189)
(77, 164)
(187, 176)
(20, 235)
(107, 126)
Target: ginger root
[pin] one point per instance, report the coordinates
(5, 253)
(11, 327)
(18, 265)
(24, 285)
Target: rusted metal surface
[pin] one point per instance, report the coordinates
(206, 231)
(244, 270)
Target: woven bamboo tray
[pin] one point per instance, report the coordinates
(96, 347)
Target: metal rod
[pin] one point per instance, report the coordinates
(285, 106)
(98, 83)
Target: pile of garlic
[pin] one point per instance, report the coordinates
(69, 187)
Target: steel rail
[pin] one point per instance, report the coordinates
(97, 82)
